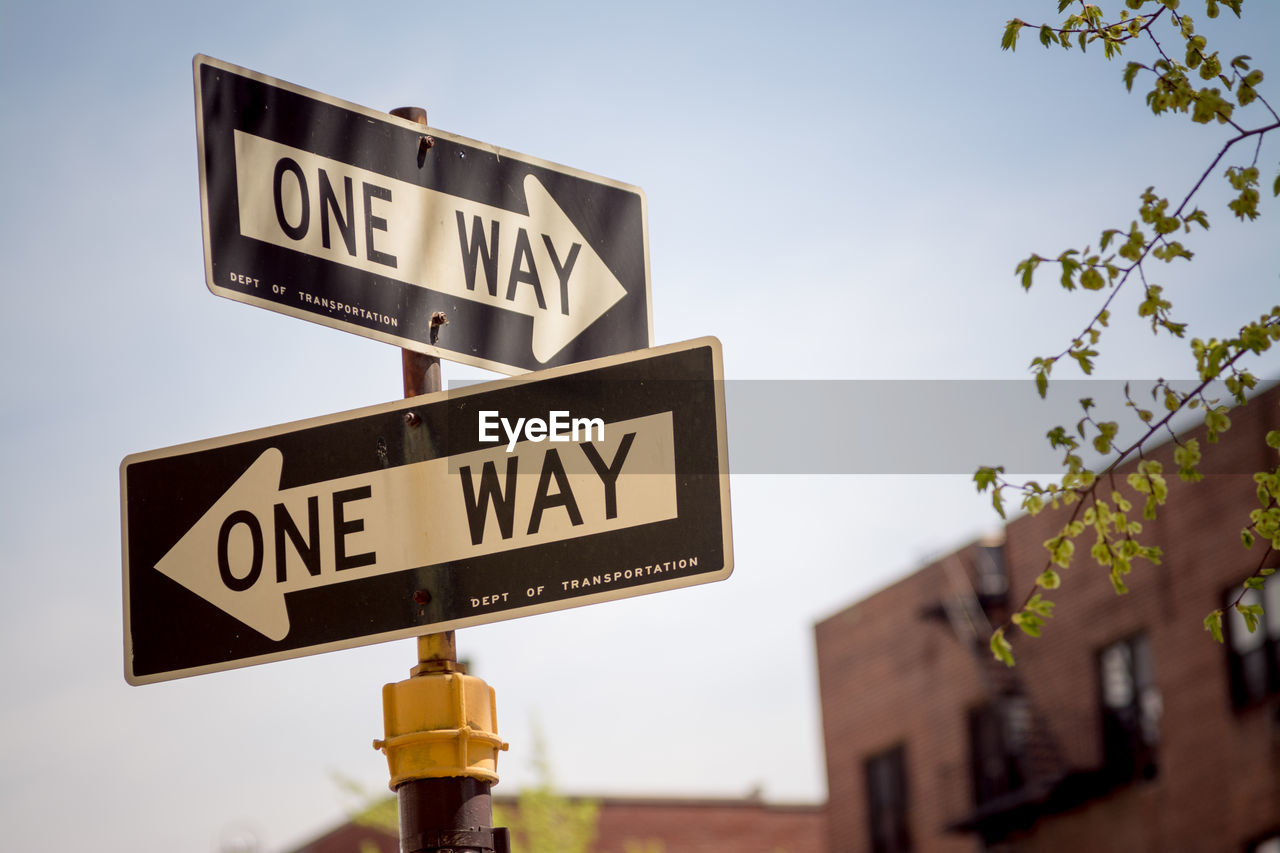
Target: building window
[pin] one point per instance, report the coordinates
(1255, 657)
(995, 732)
(992, 576)
(1131, 709)
(887, 801)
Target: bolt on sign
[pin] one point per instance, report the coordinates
(353, 218)
(560, 488)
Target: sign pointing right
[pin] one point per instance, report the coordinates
(536, 263)
(350, 217)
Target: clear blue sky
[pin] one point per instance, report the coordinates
(836, 191)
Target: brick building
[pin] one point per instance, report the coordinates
(1125, 727)
(651, 825)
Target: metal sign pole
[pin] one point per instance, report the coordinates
(441, 729)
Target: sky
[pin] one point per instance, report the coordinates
(839, 192)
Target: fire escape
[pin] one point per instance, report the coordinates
(1017, 770)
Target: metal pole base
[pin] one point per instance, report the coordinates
(450, 815)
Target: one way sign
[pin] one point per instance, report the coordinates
(346, 216)
(571, 486)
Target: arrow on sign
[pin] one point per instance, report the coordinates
(258, 542)
(535, 263)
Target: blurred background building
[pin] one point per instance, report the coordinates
(1125, 727)
(642, 825)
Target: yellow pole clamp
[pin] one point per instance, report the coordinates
(439, 725)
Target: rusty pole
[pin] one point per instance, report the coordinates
(452, 814)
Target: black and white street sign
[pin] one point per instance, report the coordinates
(565, 487)
(335, 213)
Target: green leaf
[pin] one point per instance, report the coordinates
(1130, 72)
(1001, 648)
(985, 477)
(1084, 357)
(1010, 39)
(1119, 568)
(1060, 549)
(1197, 216)
(1028, 622)
(1040, 606)
(1217, 422)
(1026, 269)
(1213, 624)
(1252, 614)
(1187, 456)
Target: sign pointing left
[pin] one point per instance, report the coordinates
(570, 486)
(259, 542)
